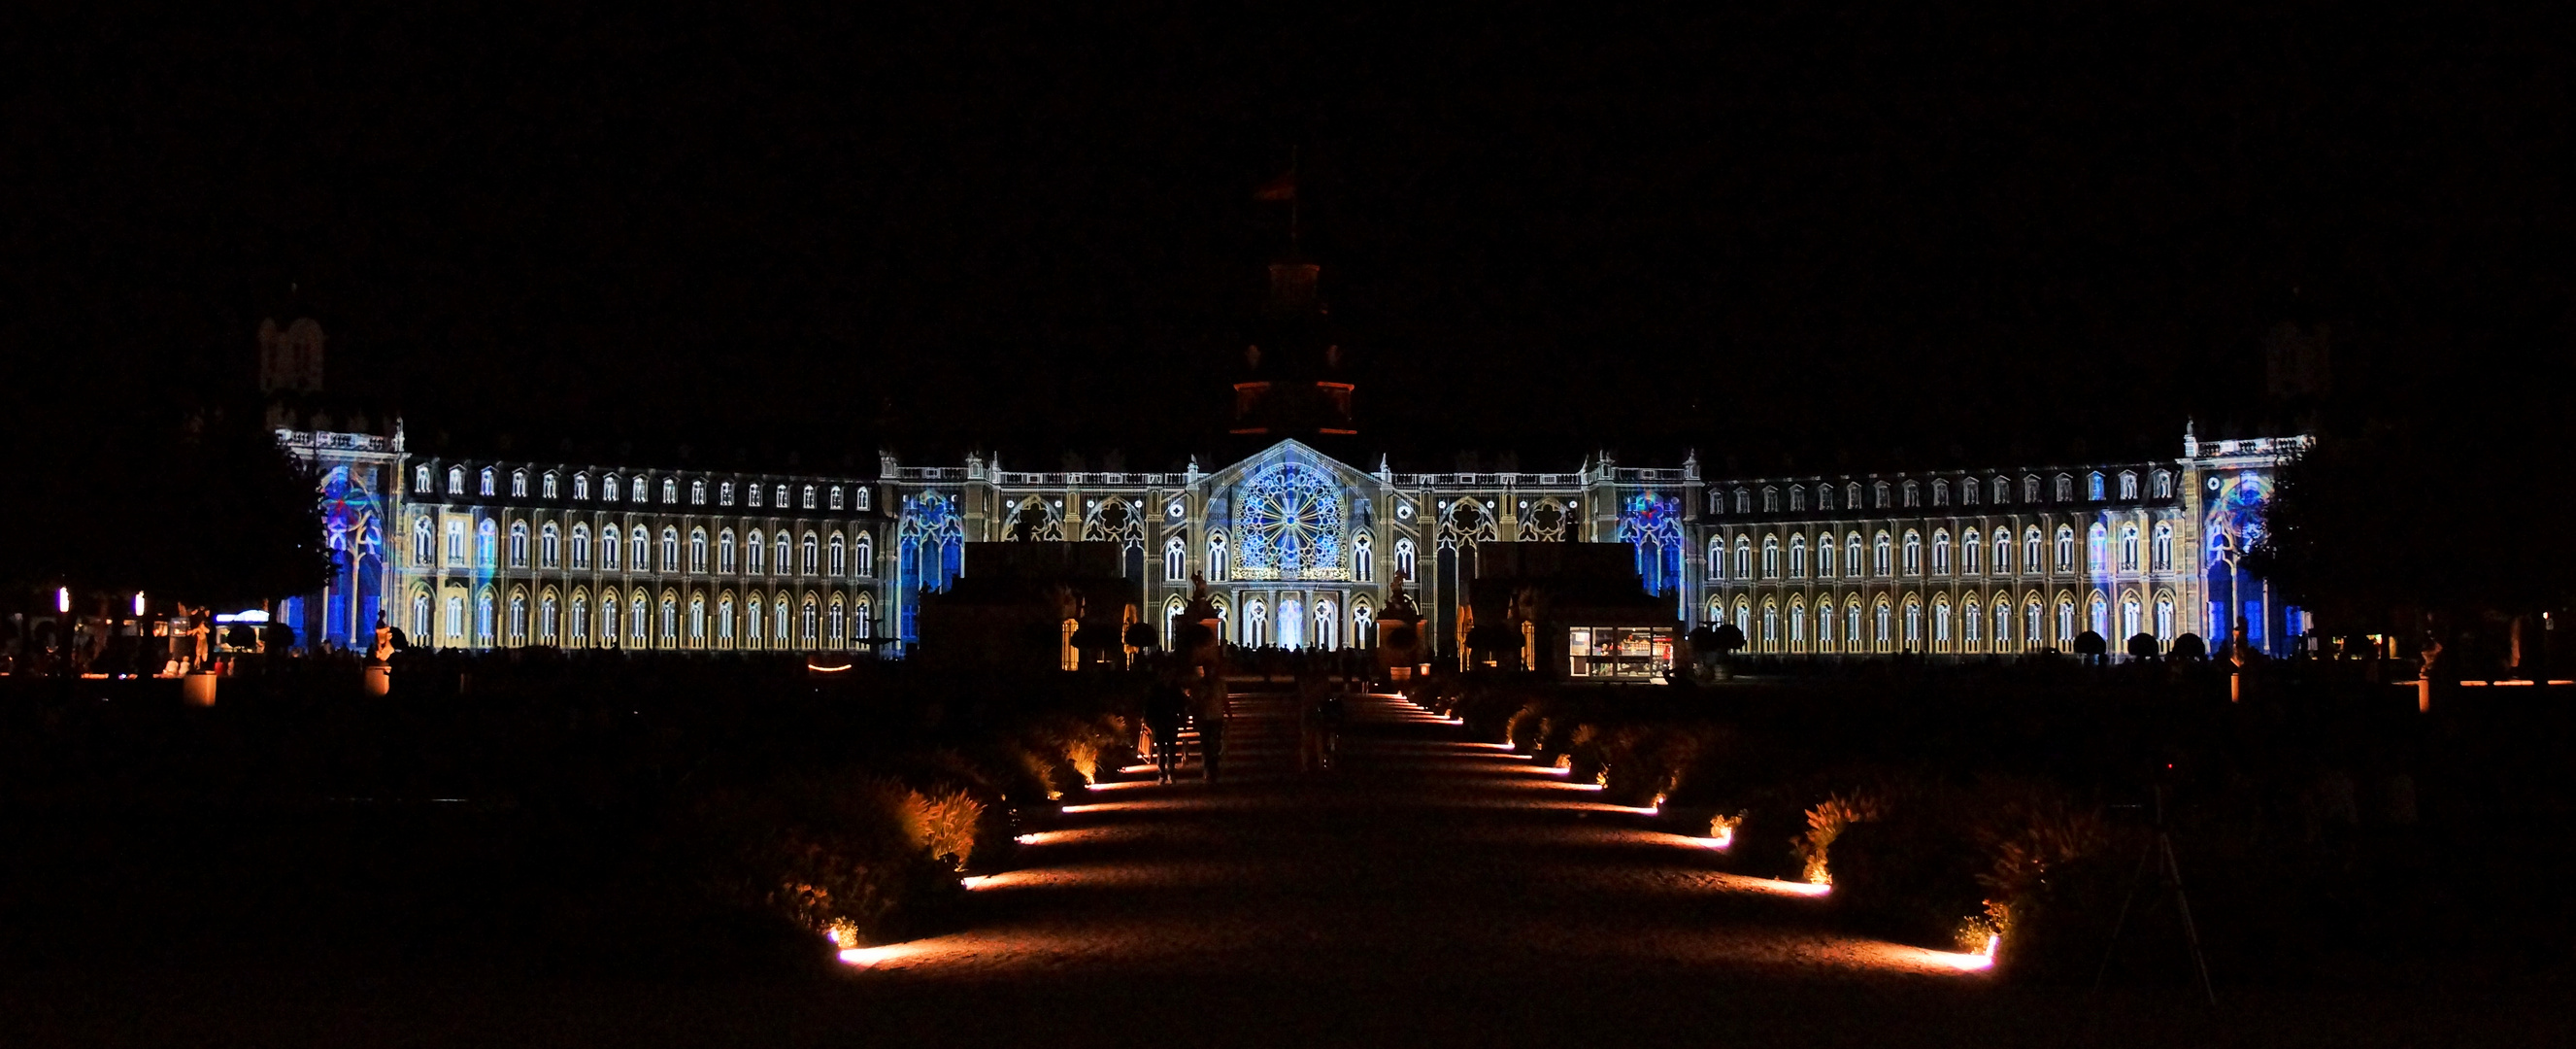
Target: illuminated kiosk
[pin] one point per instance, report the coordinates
(1582, 609)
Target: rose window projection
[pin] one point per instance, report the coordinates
(1290, 524)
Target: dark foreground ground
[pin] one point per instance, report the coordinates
(1432, 891)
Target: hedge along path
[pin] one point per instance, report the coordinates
(1425, 853)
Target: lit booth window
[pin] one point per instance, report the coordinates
(1618, 653)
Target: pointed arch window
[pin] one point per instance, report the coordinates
(2031, 562)
(1404, 558)
(840, 554)
(1972, 626)
(1825, 556)
(1825, 625)
(1770, 557)
(1743, 558)
(581, 546)
(518, 484)
(724, 621)
(1882, 556)
(862, 497)
(487, 544)
(2065, 548)
(1913, 552)
(518, 544)
(2129, 549)
(1851, 555)
(1972, 553)
(2163, 548)
(866, 555)
(1941, 552)
(755, 495)
(778, 562)
(1886, 626)
(1941, 624)
(781, 503)
(1363, 559)
(1716, 557)
(1797, 557)
(805, 551)
(863, 611)
(2003, 623)
(580, 486)
(2003, 551)
(726, 554)
(2097, 548)
(2164, 618)
(1851, 626)
(808, 503)
(640, 554)
(1913, 624)
(757, 553)
(698, 550)
(424, 541)
(2065, 620)
(485, 488)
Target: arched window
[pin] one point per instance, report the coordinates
(1716, 557)
(1913, 493)
(581, 486)
(2065, 488)
(2164, 617)
(1744, 500)
(424, 541)
(1825, 622)
(2030, 545)
(1216, 556)
(485, 488)
(724, 621)
(1797, 557)
(2003, 551)
(1913, 624)
(518, 484)
(759, 554)
(1363, 559)
(487, 544)
(697, 621)
(1851, 555)
(420, 482)
(863, 613)
(2065, 548)
(640, 553)
(2128, 484)
(1968, 491)
(755, 501)
(455, 619)
(1880, 493)
(1972, 553)
(724, 493)
(2003, 623)
(2097, 548)
(2129, 549)
(2030, 488)
(840, 552)
(862, 491)
(806, 634)
(1824, 501)
(835, 502)
(778, 553)
(546, 610)
(2164, 546)
(1941, 552)
(697, 550)
(518, 544)
(581, 546)
(1770, 557)
(698, 497)
(805, 551)
(2065, 620)
(549, 488)
(456, 545)
(1913, 552)
(1743, 558)
(2098, 616)
(726, 553)
(550, 546)
(1851, 496)
(1940, 493)
(2164, 484)
(865, 555)
(835, 631)
(1972, 627)
(1886, 626)
(808, 503)
(1882, 552)
(1744, 617)
(1941, 624)
(2093, 485)
(670, 549)
(1825, 556)
(778, 605)
(1256, 623)
(755, 624)
(1770, 626)
(1404, 558)
(483, 619)
(1770, 499)
(2130, 626)
(2031, 637)
(670, 617)
(2003, 491)
(518, 635)
(1363, 624)
(1797, 497)
(1851, 626)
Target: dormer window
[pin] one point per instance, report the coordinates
(755, 495)
(2164, 484)
(1880, 493)
(781, 501)
(456, 480)
(670, 490)
(2128, 484)
(1770, 499)
(836, 502)
(608, 488)
(698, 493)
(1797, 497)
(581, 486)
(724, 494)
(518, 484)
(486, 487)
(549, 487)
(863, 499)
(420, 480)
(1940, 493)
(2093, 486)
(809, 497)
(1913, 494)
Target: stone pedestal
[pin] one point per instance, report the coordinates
(198, 689)
(379, 679)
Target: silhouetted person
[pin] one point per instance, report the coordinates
(1166, 706)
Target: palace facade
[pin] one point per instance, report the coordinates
(1299, 547)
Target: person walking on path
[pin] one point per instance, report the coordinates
(1318, 710)
(1209, 712)
(1166, 706)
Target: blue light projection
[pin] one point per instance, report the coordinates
(1289, 525)
(1653, 525)
(930, 552)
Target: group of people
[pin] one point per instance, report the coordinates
(1183, 697)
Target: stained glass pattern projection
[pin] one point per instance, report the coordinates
(1289, 525)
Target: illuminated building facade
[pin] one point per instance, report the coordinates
(1299, 547)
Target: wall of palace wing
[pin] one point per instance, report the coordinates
(1296, 548)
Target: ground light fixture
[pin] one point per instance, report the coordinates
(63, 599)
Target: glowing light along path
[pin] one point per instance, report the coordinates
(1139, 871)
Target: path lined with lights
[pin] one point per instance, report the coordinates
(1422, 851)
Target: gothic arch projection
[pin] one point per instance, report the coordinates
(1885, 613)
(1825, 606)
(1825, 567)
(1652, 524)
(697, 620)
(577, 619)
(639, 551)
(2163, 546)
(1172, 610)
(549, 613)
(779, 637)
(1545, 522)
(1217, 561)
(725, 614)
(1972, 553)
(1913, 552)
(839, 564)
(1744, 617)
(517, 619)
(1797, 612)
(1256, 623)
(1716, 610)
(1743, 558)
(1852, 556)
(1290, 523)
(2003, 564)
(1770, 625)
(639, 619)
(930, 552)
(1404, 560)
(863, 609)
(487, 543)
(2097, 614)
(864, 551)
(1882, 556)
(2165, 616)
(1114, 521)
(2065, 548)
(1176, 560)
(420, 625)
(2065, 620)
(1972, 624)
(1913, 623)
(1716, 557)
(2003, 609)
(1292, 622)
(1941, 632)
(1941, 552)
(1363, 559)
(807, 564)
(757, 549)
(1798, 556)
(755, 625)
(1851, 625)
(2128, 548)
(1033, 521)
(809, 618)
(2032, 634)
(424, 541)
(2131, 622)
(1363, 624)
(1465, 523)
(518, 544)
(486, 608)
(1770, 557)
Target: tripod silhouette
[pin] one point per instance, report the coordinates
(2159, 854)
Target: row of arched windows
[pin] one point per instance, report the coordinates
(1286, 620)
(1995, 624)
(640, 619)
(1970, 491)
(778, 554)
(1969, 555)
(640, 489)
(1363, 558)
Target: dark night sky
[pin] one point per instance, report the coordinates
(1823, 232)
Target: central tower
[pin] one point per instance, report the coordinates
(1294, 382)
